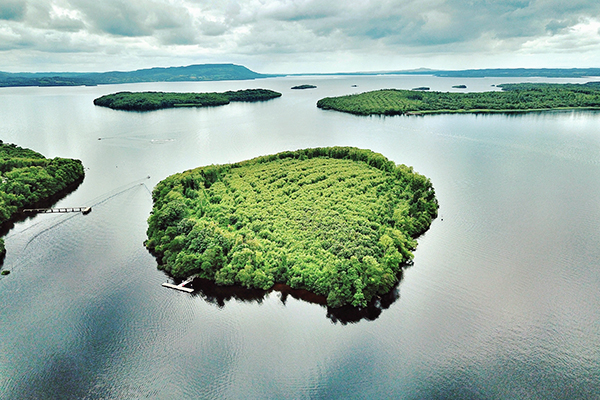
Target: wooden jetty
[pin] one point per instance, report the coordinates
(181, 286)
(83, 210)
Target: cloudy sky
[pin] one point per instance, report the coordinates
(287, 36)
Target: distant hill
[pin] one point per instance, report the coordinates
(222, 72)
(522, 72)
(481, 73)
(200, 72)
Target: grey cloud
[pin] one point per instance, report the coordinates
(131, 18)
(182, 36)
(115, 17)
(255, 27)
(66, 24)
(556, 26)
(39, 16)
(433, 23)
(301, 10)
(12, 10)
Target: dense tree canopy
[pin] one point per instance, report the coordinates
(300, 87)
(27, 177)
(337, 221)
(148, 101)
(513, 98)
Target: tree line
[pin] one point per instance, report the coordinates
(27, 177)
(513, 98)
(148, 101)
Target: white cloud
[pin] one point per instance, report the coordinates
(373, 34)
(579, 38)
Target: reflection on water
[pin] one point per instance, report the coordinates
(220, 295)
(47, 203)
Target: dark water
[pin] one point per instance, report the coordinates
(502, 302)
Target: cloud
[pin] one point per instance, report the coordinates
(262, 29)
(12, 10)
(580, 38)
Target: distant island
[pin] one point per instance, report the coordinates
(521, 97)
(479, 73)
(339, 222)
(459, 86)
(304, 87)
(520, 72)
(421, 88)
(193, 73)
(148, 101)
(28, 178)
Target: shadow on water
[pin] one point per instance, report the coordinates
(220, 295)
(46, 203)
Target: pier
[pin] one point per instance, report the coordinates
(83, 210)
(181, 286)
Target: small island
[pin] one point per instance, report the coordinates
(422, 88)
(27, 178)
(340, 222)
(459, 86)
(149, 101)
(521, 97)
(300, 87)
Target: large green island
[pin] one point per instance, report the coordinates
(27, 178)
(340, 222)
(521, 97)
(148, 101)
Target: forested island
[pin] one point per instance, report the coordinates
(300, 87)
(340, 222)
(519, 97)
(27, 178)
(148, 101)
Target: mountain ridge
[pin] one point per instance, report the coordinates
(219, 72)
(195, 72)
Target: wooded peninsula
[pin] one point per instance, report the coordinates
(148, 101)
(340, 222)
(27, 177)
(521, 97)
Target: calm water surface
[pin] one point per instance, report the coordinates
(502, 301)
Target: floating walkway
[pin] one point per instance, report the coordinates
(83, 210)
(181, 286)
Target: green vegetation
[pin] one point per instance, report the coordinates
(148, 101)
(304, 87)
(27, 177)
(514, 98)
(202, 72)
(421, 88)
(339, 222)
(519, 72)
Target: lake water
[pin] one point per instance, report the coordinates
(502, 302)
